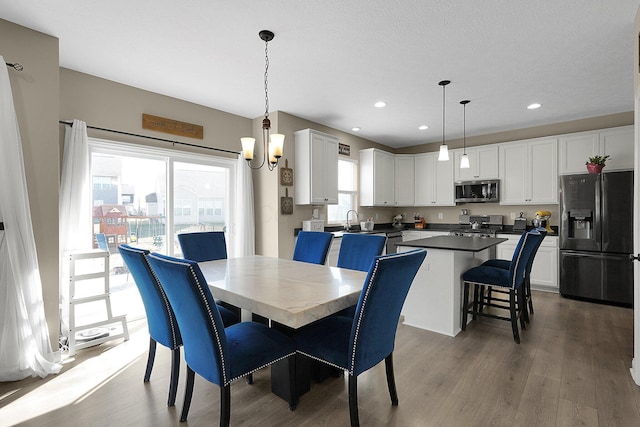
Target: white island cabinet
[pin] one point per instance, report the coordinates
(434, 301)
(316, 168)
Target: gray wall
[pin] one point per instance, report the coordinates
(36, 98)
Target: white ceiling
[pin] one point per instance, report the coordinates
(332, 59)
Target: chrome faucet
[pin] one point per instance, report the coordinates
(348, 226)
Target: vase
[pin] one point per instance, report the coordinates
(594, 168)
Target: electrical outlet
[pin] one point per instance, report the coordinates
(440, 215)
(377, 216)
(513, 215)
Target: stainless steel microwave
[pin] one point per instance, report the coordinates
(486, 191)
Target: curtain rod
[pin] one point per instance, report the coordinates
(62, 122)
(15, 66)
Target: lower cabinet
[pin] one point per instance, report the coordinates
(544, 274)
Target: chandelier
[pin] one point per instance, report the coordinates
(272, 143)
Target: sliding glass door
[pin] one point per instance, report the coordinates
(145, 197)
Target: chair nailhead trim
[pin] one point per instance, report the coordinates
(172, 319)
(322, 360)
(211, 319)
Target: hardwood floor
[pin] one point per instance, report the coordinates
(571, 369)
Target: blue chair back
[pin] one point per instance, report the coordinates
(312, 246)
(357, 251)
(101, 240)
(543, 232)
(163, 326)
(203, 246)
(201, 324)
(376, 320)
(522, 255)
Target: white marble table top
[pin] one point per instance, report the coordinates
(290, 292)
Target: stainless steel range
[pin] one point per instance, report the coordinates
(478, 226)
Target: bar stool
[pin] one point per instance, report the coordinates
(511, 281)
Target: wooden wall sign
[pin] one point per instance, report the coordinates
(174, 127)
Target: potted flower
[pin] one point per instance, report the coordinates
(596, 163)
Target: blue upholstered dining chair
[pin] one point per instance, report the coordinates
(203, 246)
(506, 264)
(218, 354)
(356, 345)
(357, 252)
(163, 327)
(162, 324)
(207, 246)
(312, 246)
(511, 280)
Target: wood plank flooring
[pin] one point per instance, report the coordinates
(571, 369)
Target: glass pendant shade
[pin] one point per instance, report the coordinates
(277, 144)
(248, 144)
(444, 153)
(464, 162)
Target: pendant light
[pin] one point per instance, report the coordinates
(444, 150)
(272, 144)
(464, 160)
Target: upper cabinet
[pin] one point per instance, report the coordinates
(316, 168)
(433, 181)
(404, 180)
(377, 178)
(529, 172)
(483, 162)
(575, 149)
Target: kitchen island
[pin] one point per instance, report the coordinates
(434, 301)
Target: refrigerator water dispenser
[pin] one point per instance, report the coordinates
(581, 224)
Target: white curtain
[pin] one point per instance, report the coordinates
(244, 221)
(25, 349)
(75, 225)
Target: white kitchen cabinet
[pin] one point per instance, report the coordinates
(404, 179)
(377, 178)
(575, 149)
(316, 168)
(529, 172)
(483, 162)
(544, 273)
(434, 181)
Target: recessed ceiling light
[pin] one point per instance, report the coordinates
(380, 104)
(423, 127)
(534, 106)
(355, 129)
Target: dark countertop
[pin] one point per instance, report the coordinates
(454, 243)
(387, 227)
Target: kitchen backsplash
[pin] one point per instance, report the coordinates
(450, 213)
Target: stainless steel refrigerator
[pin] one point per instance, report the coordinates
(596, 236)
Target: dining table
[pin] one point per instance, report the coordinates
(291, 294)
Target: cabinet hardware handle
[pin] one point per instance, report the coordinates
(634, 258)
